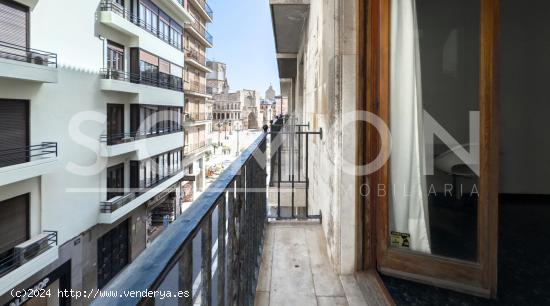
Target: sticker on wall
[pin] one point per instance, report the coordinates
(400, 240)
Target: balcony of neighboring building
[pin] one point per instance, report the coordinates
(149, 178)
(153, 130)
(21, 163)
(153, 34)
(197, 59)
(203, 9)
(26, 258)
(195, 118)
(195, 148)
(23, 63)
(195, 88)
(153, 79)
(24, 247)
(198, 30)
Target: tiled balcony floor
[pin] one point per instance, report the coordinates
(296, 269)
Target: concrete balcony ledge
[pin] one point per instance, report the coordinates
(142, 37)
(179, 12)
(27, 71)
(147, 94)
(23, 272)
(119, 86)
(112, 217)
(193, 62)
(30, 3)
(144, 147)
(24, 171)
(196, 122)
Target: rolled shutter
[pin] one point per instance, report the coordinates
(14, 126)
(13, 23)
(13, 222)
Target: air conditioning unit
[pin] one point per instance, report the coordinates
(29, 249)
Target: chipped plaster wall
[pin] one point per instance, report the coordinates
(323, 95)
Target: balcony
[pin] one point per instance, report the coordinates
(144, 144)
(179, 8)
(18, 164)
(200, 32)
(125, 21)
(21, 63)
(204, 9)
(112, 210)
(193, 57)
(194, 118)
(150, 90)
(213, 250)
(195, 88)
(194, 148)
(27, 258)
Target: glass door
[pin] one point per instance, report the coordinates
(436, 198)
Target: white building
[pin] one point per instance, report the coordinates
(91, 137)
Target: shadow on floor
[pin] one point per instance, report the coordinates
(524, 262)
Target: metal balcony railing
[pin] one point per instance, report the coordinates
(28, 55)
(111, 6)
(120, 138)
(128, 196)
(172, 83)
(194, 116)
(196, 55)
(227, 222)
(194, 147)
(26, 251)
(15, 156)
(201, 29)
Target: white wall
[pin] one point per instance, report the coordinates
(70, 198)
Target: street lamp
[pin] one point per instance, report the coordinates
(219, 132)
(237, 129)
(225, 129)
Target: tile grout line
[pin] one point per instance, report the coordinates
(310, 267)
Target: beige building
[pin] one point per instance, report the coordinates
(197, 122)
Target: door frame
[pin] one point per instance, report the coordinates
(477, 278)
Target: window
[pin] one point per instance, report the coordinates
(115, 123)
(157, 168)
(115, 56)
(149, 120)
(115, 181)
(14, 226)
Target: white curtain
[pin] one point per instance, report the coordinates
(409, 203)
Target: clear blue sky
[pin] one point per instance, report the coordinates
(243, 39)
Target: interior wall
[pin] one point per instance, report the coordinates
(524, 97)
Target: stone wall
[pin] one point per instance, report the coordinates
(324, 95)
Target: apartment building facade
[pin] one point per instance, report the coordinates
(197, 122)
(92, 138)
